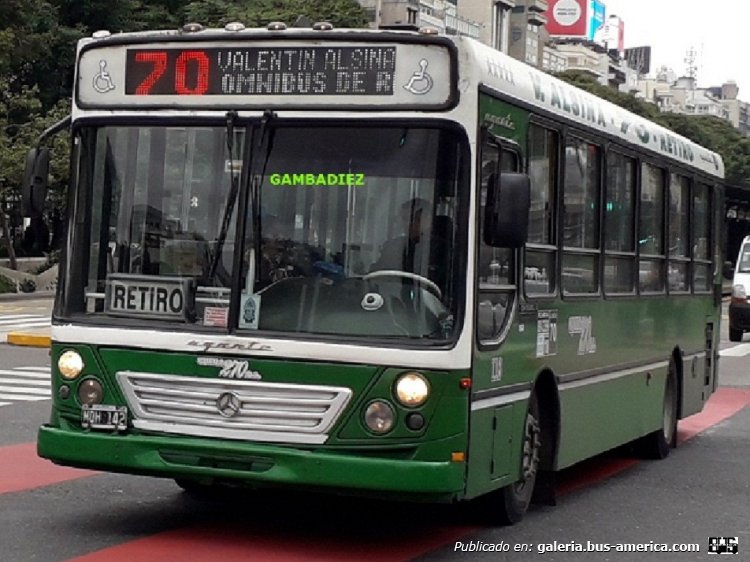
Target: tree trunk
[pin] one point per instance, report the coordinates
(5, 236)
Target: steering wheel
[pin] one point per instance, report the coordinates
(434, 289)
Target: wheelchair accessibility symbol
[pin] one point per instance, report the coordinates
(420, 82)
(103, 79)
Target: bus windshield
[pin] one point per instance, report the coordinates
(743, 266)
(345, 230)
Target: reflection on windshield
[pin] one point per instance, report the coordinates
(348, 215)
(347, 231)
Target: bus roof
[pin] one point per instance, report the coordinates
(538, 89)
(486, 67)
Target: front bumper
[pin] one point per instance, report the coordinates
(250, 463)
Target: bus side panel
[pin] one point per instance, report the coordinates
(493, 452)
(598, 416)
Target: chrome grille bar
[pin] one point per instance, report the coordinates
(273, 412)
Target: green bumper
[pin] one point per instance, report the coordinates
(253, 464)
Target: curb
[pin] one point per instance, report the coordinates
(28, 339)
(39, 295)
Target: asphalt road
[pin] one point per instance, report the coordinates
(702, 490)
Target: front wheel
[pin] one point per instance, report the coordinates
(657, 444)
(512, 501)
(735, 335)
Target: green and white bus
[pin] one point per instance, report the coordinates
(371, 262)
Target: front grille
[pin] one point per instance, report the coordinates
(248, 410)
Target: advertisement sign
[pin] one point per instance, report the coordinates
(596, 19)
(614, 34)
(568, 18)
(639, 58)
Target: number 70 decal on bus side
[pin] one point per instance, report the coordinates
(583, 325)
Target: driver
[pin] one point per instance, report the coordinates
(411, 250)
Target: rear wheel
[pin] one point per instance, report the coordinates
(735, 335)
(656, 445)
(512, 501)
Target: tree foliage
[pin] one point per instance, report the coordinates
(37, 58)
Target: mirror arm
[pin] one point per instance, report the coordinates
(53, 130)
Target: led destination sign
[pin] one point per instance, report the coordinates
(256, 74)
(334, 71)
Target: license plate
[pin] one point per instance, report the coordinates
(101, 416)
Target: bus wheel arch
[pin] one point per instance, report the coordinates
(538, 454)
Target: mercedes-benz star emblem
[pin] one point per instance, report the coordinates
(228, 404)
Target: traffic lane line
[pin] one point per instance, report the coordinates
(724, 403)
(21, 469)
(235, 542)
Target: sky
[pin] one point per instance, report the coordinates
(718, 30)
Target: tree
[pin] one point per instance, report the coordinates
(255, 13)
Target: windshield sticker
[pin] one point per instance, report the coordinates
(215, 316)
(167, 298)
(324, 180)
(546, 333)
(249, 310)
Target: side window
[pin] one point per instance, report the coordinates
(495, 266)
(651, 278)
(702, 238)
(679, 233)
(541, 251)
(580, 266)
(619, 224)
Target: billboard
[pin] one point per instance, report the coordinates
(575, 18)
(639, 59)
(596, 19)
(614, 34)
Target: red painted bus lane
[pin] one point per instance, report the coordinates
(21, 469)
(236, 542)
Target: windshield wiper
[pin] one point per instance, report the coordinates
(231, 200)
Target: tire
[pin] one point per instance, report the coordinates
(657, 444)
(509, 504)
(735, 335)
(199, 489)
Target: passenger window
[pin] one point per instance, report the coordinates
(495, 267)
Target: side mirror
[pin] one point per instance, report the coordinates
(34, 188)
(728, 270)
(506, 215)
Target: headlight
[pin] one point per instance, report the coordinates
(738, 292)
(70, 364)
(90, 392)
(412, 389)
(379, 417)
